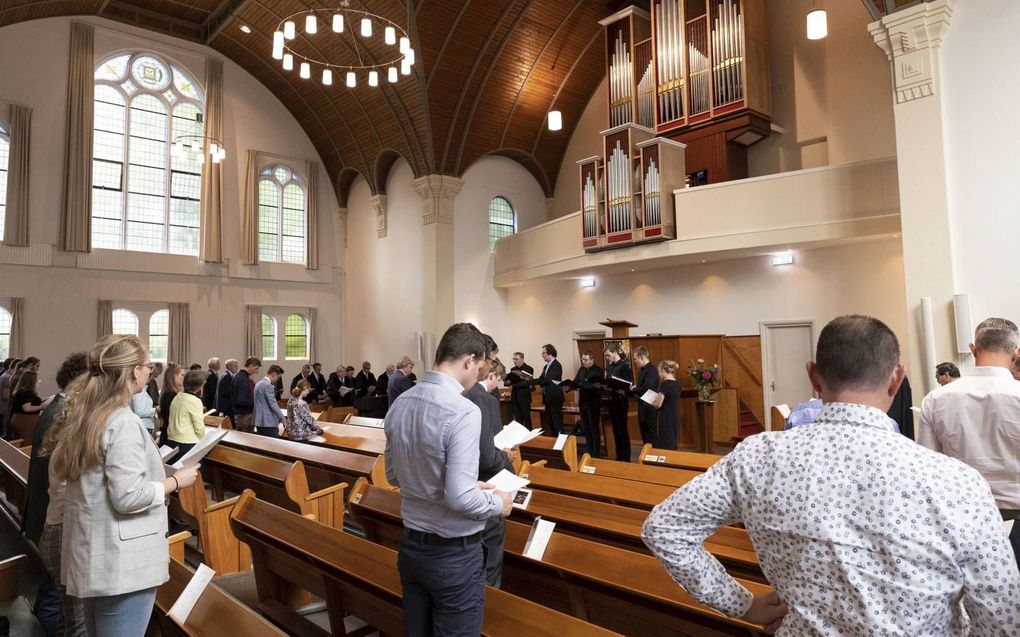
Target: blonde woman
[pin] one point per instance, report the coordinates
(667, 404)
(114, 549)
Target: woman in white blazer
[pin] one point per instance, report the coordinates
(114, 549)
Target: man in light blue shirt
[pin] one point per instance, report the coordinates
(432, 451)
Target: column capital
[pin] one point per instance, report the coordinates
(911, 39)
(378, 204)
(343, 213)
(437, 193)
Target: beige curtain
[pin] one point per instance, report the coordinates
(312, 220)
(211, 248)
(313, 347)
(17, 345)
(179, 341)
(104, 320)
(253, 330)
(250, 214)
(16, 224)
(76, 221)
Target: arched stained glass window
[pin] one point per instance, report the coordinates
(282, 215)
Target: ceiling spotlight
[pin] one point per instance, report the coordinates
(245, 28)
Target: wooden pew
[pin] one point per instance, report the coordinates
(689, 460)
(13, 477)
(640, 495)
(378, 512)
(281, 482)
(216, 613)
(324, 467)
(336, 414)
(357, 576)
(541, 448)
(221, 551)
(609, 586)
(368, 441)
(23, 425)
(636, 472)
(218, 421)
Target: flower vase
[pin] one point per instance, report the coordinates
(705, 392)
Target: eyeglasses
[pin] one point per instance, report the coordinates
(151, 366)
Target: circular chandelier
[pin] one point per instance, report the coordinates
(392, 47)
(194, 147)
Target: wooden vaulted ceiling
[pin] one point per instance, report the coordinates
(487, 73)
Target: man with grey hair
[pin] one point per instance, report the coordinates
(859, 530)
(977, 418)
(212, 380)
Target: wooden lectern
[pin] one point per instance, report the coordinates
(621, 329)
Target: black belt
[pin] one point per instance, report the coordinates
(424, 537)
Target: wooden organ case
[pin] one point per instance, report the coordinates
(688, 93)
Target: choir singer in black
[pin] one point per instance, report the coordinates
(589, 402)
(519, 380)
(619, 400)
(552, 393)
(648, 380)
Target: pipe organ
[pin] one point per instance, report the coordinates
(688, 92)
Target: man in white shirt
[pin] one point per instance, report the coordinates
(859, 530)
(977, 418)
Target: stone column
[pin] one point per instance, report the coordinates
(912, 40)
(437, 193)
(378, 204)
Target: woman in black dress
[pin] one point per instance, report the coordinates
(24, 399)
(667, 402)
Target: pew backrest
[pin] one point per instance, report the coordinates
(541, 448)
(667, 476)
(690, 460)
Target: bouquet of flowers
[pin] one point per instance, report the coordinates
(705, 377)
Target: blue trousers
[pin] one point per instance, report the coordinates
(125, 615)
(444, 589)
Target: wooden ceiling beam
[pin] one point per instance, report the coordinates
(219, 18)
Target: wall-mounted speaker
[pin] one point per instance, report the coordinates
(962, 322)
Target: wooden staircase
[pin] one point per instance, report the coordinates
(741, 365)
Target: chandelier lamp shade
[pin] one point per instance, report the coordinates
(360, 46)
(196, 147)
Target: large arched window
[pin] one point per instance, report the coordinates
(281, 216)
(268, 337)
(159, 335)
(145, 197)
(502, 220)
(5, 332)
(5, 152)
(125, 322)
(296, 336)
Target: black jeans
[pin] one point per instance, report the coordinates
(271, 432)
(444, 588)
(182, 448)
(554, 409)
(648, 418)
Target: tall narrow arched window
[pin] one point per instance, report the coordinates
(502, 220)
(5, 332)
(5, 153)
(296, 336)
(125, 322)
(145, 197)
(159, 335)
(281, 216)
(268, 337)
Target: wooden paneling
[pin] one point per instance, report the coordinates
(741, 363)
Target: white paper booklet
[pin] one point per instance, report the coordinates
(560, 441)
(362, 421)
(506, 481)
(166, 452)
(212, 436)
(650, 396)
(189, 596)
(538, 539)
(515, 434)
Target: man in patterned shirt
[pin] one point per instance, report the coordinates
(859, 530)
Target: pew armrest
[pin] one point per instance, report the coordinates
(9, 577)
(176, 545)
(327, 505)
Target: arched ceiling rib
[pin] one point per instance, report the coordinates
(488, 71)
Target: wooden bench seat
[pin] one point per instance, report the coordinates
(378, 512)
(541, 448)
(324, 467)
(215, 614)
(282, 482)
(689, 460)
(13, 477)
(634, 472)
(641, 495)
(359, 577)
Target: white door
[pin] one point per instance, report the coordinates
(787, 347)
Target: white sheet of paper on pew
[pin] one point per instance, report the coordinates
(650, 396)
(362, 421)
(182, 608)
(784, 410)
(560, 441)
(538, 539)
(508, 482)
(515, 434)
